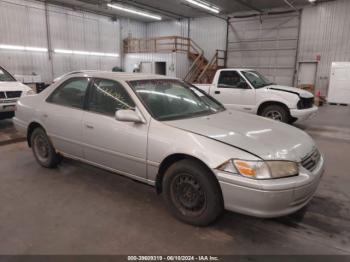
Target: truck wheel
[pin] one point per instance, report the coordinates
(192, 193)
(276, 112)
(43, 150)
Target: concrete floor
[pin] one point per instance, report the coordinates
(7, 133)
(78, 209)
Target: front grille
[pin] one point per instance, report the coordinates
(13, 94)
(2, 95)
(310, 162)
(305, 103)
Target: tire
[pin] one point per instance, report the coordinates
(192, 193)
(276, 112)
(43, 150)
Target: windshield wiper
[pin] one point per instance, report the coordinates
(190, 115)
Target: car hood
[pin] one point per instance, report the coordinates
(13, 86)
(268, 139)
(298, 91)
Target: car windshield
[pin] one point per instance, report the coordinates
(256, 79)
(170, 99)
(5, 76)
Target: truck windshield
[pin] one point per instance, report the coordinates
(170, 99)
(256, 79)
(6, 76)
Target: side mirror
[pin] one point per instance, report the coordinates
(127, 115)
(243, 85)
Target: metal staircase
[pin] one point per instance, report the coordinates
(202, 70)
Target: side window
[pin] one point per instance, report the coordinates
(231, 79)
(70, 93)
(108, 96)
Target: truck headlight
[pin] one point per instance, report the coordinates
(261, 169)
(29, 92)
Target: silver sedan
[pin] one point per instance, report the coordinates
(202, 157)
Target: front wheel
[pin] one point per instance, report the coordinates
(276, 112)
(192, 193)
(43, 150)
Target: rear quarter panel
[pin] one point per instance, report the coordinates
(27, 112)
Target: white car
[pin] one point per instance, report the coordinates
(10, 91)
(249, 91)
(169, 134)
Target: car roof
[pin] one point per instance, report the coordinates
(117, 75)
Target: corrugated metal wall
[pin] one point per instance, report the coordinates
(268, 44)
(182, 65)
(209, 33)
(325, 31)
(133, 28)
(23, 23)
(168, 28)
(82, 31)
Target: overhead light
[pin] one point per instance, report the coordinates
(136, 12)
(78, 52)
(204, 5)
(23, 48)
(312, 1)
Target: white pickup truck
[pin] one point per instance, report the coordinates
(10, 91)
(249, 91)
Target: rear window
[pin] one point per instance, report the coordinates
(71, 93)
(6, 76)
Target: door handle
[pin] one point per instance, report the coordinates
(217, 92)
(89, 126)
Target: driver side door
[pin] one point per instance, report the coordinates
(234, 92)
(112, 144)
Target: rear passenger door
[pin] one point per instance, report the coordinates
(62, 115)
(120, 146)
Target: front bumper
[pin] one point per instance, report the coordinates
(269, 198)
(7, 107)
(304, 114)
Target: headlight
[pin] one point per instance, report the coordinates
(261, 169)
(29, 92)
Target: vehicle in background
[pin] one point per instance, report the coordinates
(249, 91)
(169, 134)
(10, 91)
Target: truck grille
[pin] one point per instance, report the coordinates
(310, 162)
(305, 103)
(13, 94)
(2, 95)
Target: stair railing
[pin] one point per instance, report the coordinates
(214, 64)
(195, 66)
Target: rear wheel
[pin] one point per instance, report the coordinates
(43, 150)
(192, 193)
(276, 112)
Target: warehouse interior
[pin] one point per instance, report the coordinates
(78, 209)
